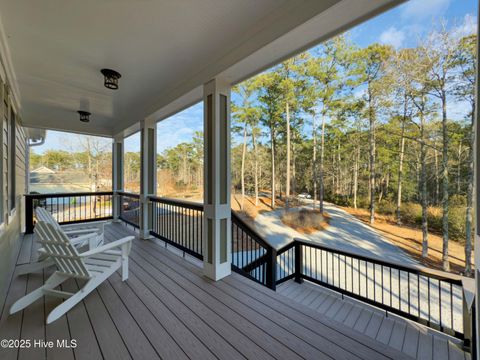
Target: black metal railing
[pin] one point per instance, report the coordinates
(427, 296)
(129, 208)
(431, 297)
(252, 256)
(178, 223)
(69, 208)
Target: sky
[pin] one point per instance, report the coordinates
(400, 27)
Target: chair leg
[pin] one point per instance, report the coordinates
(65, 306)
(34, 267)
(53, 281)
(125, 252)
(91, 285)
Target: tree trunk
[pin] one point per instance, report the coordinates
(371, 137)
(294, 169)
(339, 168)
(322, 158)
(355, 175)
(469, 209)
(255, 166)
(272, 152)
(459, 167)
(242, 175)
(400, 171)
(445, 203)
(437, 180)
(287, 181)
(382, 189)
(314, 125)
(423, 190)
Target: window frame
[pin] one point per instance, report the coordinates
(12, 155)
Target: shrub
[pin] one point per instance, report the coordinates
(411, 213)
(304, 220)
(456, 223)
(341, 200)
(458, 200)
(387, 208)
(363, 202)
(434, 218)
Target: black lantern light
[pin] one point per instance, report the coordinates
(111, 78)
(84, 115)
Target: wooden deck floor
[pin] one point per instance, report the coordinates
(413, 339)
(168, 310)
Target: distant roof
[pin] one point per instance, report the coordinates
(43, 170)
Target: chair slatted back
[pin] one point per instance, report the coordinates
(44, 215)
(58, 247)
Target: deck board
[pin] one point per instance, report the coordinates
(220, 325)
(110, 341)
(229, 308)
(58, 330)
(385, 331)
(167, 309)
(25, 250)
(32, 322)
(412, 339)
(81, 328)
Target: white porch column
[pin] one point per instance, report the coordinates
(117, 173)
(216, 188)
(148, 174)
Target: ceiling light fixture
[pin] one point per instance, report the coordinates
(111, 78)
(84, 115)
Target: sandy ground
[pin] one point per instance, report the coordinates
(410, 240)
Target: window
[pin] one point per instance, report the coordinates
(3, 149)
(12, 159)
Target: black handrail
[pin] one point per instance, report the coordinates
(424, 295)
(178, 223)
(420, 270)
(178, 202)
(67, 194)
(68, 208)
(252, 256)
(129, 208)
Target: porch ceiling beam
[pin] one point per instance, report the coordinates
(75, 126)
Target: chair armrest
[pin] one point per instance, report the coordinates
(79, 239)
(117, 243)
(84, 226)
(80, 231)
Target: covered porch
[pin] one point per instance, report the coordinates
(203, 284)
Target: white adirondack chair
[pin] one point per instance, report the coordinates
(94, 266)
(75, 230)
(82, 236)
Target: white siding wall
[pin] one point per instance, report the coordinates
(10, 222)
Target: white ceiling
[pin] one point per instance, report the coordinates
(164, 49)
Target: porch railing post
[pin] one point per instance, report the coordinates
(298, 262)
(271, 276)
(468, 312)
(28, 214)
